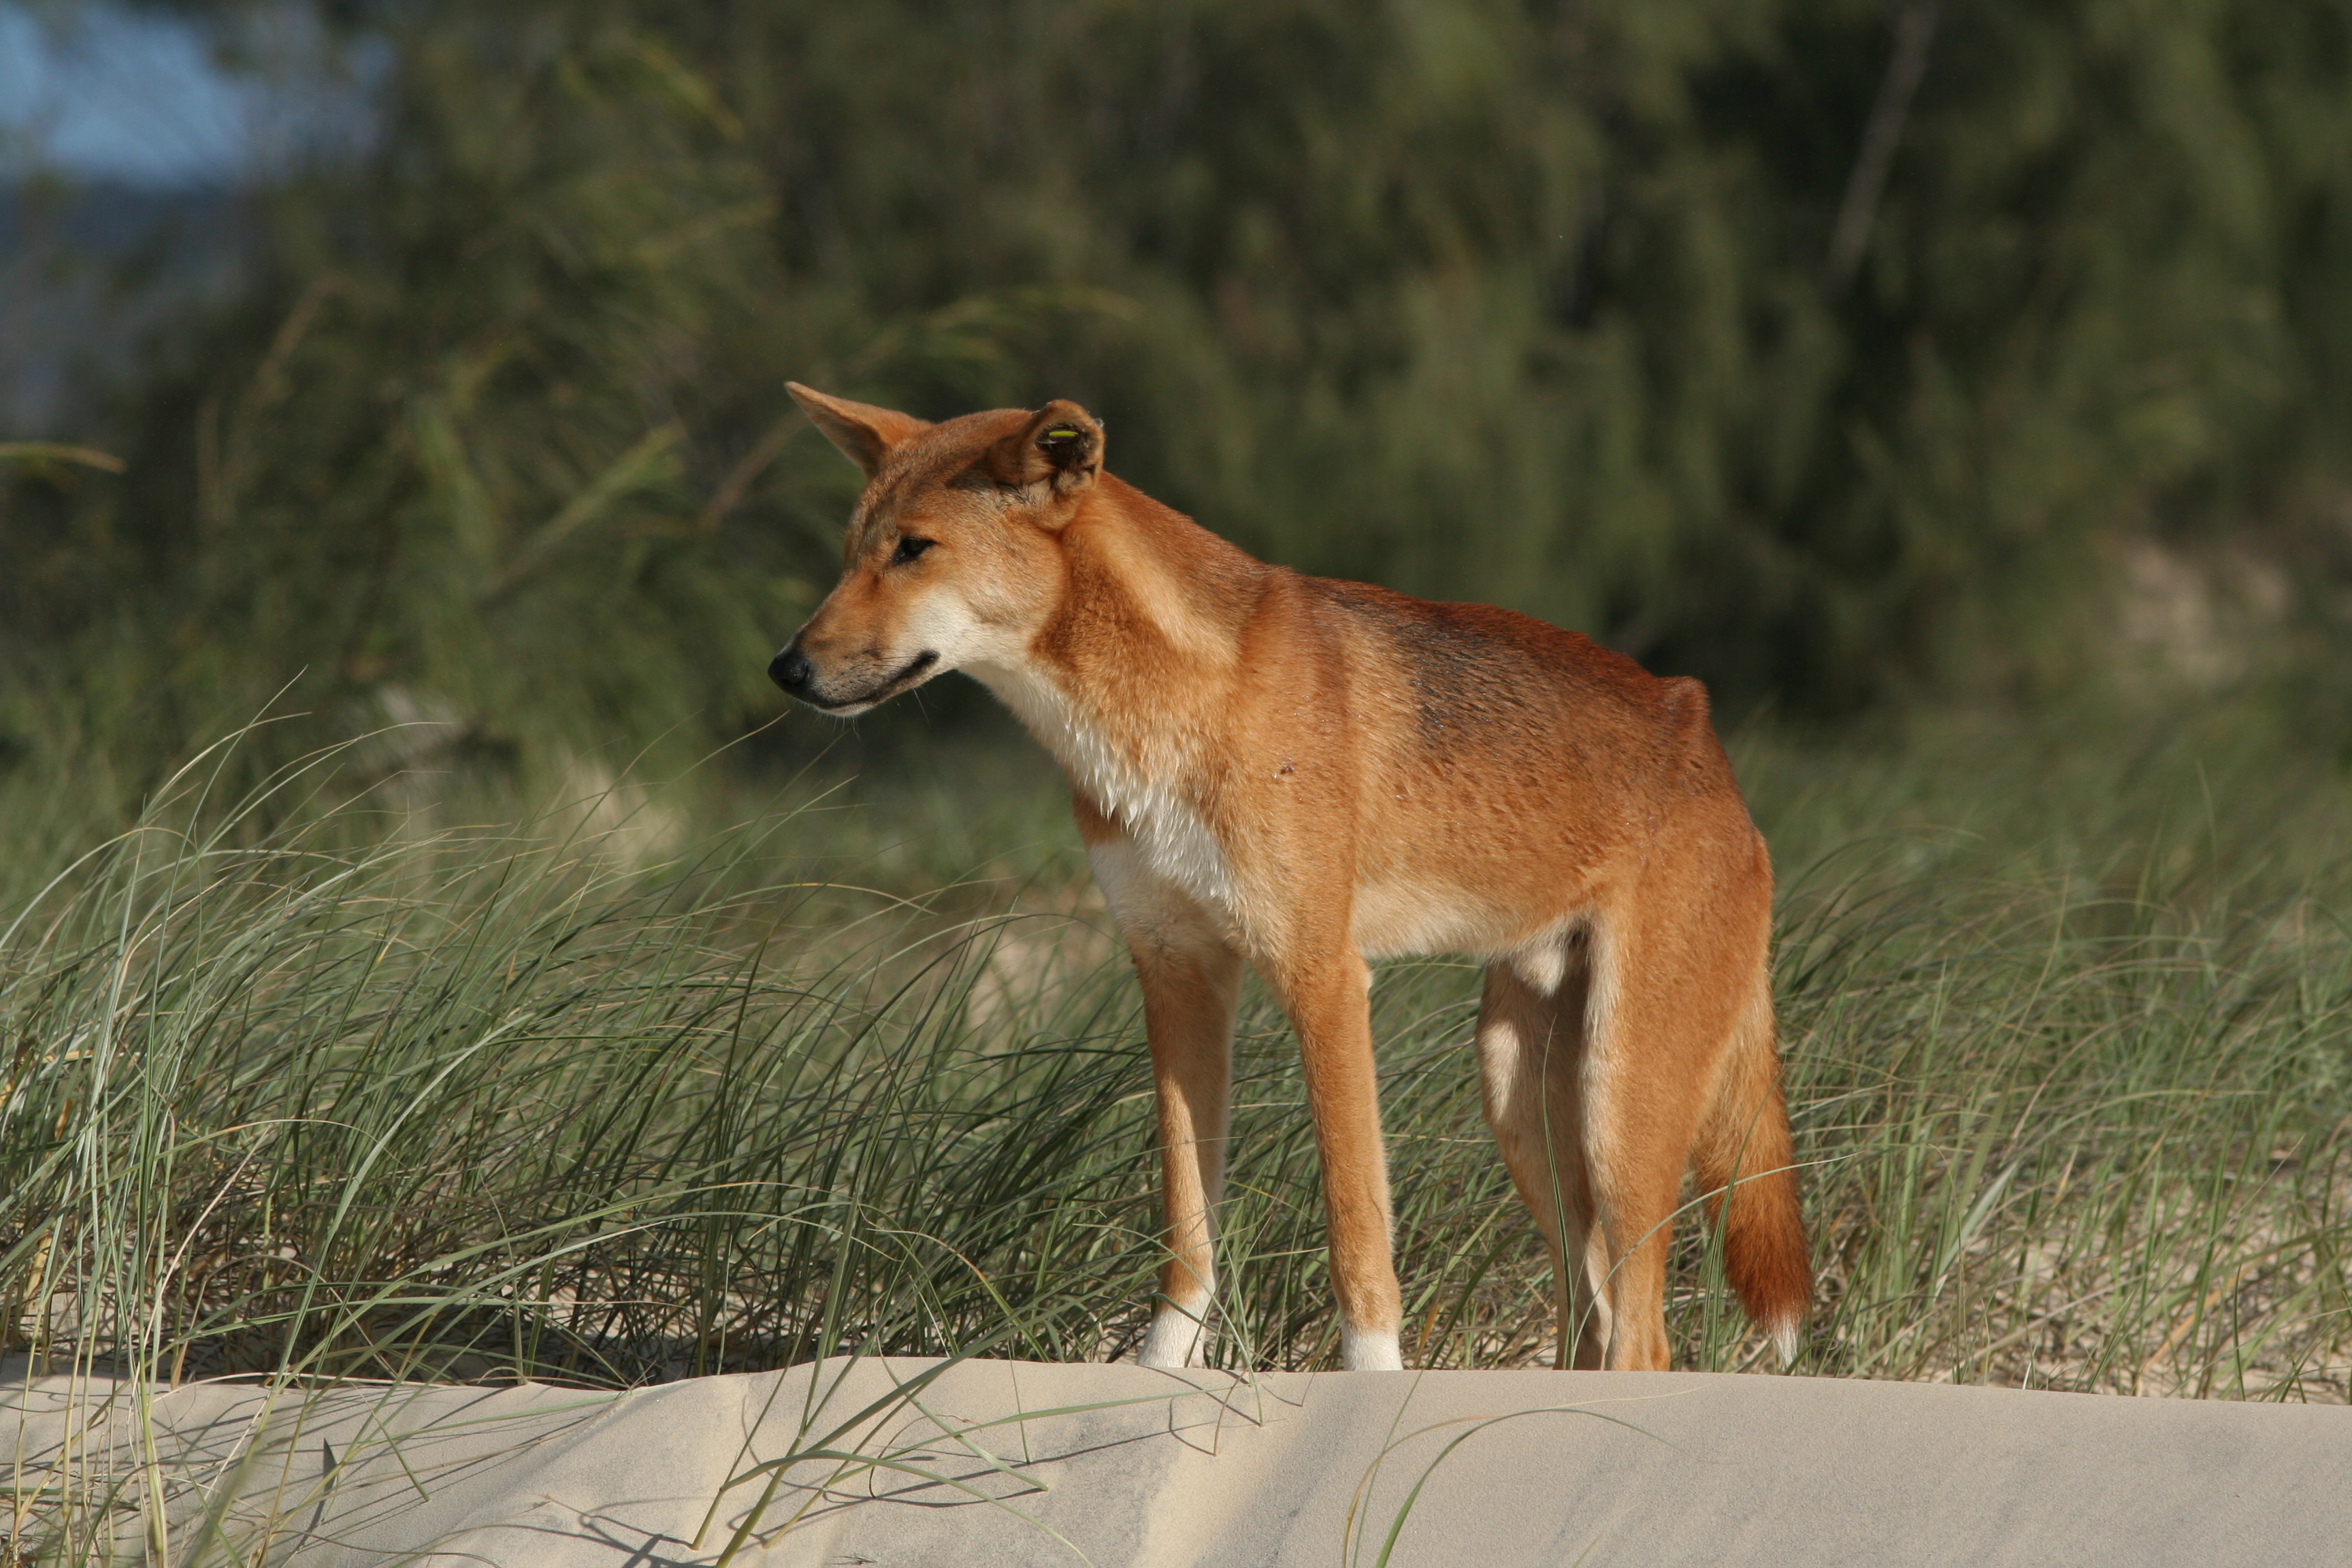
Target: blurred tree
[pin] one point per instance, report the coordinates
(1823, 350)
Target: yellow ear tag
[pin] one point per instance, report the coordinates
(1061, 432)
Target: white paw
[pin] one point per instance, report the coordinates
(1368, 1349)
(1173, 1339)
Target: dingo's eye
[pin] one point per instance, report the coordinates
(909, 548)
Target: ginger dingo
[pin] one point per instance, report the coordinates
(1304, 774)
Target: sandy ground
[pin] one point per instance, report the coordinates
(987, 1462)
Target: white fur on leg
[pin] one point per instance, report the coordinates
(1174, 1338)
(1368, 1349)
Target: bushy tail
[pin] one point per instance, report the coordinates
(1744, 1167)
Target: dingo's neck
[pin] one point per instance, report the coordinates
(1133, 673)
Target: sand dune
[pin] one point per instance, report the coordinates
(986, 1462)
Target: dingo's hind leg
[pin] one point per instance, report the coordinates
(1530, 1055)
(1676, 962)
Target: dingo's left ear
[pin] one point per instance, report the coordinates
(1062, 442)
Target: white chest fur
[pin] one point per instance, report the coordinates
(1137, 791)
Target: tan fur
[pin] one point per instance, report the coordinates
(1304, 774)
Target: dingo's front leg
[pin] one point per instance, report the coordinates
(1191, 985)
(1328, 1005)
(1190, 994)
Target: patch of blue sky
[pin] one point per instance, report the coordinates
(99, 90)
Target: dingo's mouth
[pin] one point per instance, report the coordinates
(907, 676)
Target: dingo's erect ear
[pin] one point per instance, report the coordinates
(1062, 442)
(863, 433)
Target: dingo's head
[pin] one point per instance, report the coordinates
(950, 558)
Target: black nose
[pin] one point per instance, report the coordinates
(790, 670)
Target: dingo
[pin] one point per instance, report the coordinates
(1303, 774)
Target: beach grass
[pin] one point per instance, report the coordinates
(321, 1082)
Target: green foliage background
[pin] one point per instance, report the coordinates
(1528, 302)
